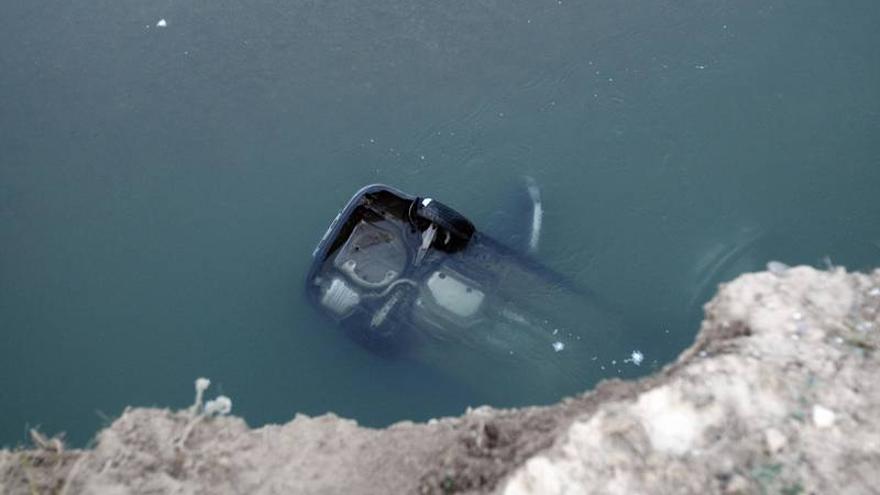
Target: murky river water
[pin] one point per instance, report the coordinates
(162, 188)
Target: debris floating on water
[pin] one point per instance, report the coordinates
(162, 23)
(636, 358)
(558, 346)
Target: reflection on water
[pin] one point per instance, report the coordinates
(721, 261)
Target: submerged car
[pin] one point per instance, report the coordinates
(409, 274)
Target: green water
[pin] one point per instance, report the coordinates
(161, 189)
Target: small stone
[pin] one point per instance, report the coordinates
(823, 417)
(775, 440)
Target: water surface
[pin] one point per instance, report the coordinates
(161, 189)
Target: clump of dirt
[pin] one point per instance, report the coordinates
(780, 393)
(44, 469)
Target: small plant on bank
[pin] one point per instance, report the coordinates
(219, 406)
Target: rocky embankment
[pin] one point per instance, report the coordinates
(780, 393)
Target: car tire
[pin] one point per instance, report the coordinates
(460, 228)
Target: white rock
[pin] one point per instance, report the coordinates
(822, 416)
(775, 440)
(672, 424)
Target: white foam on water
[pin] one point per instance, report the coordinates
(636, 358)
(537, 214)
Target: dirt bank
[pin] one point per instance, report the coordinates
(780, 393)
